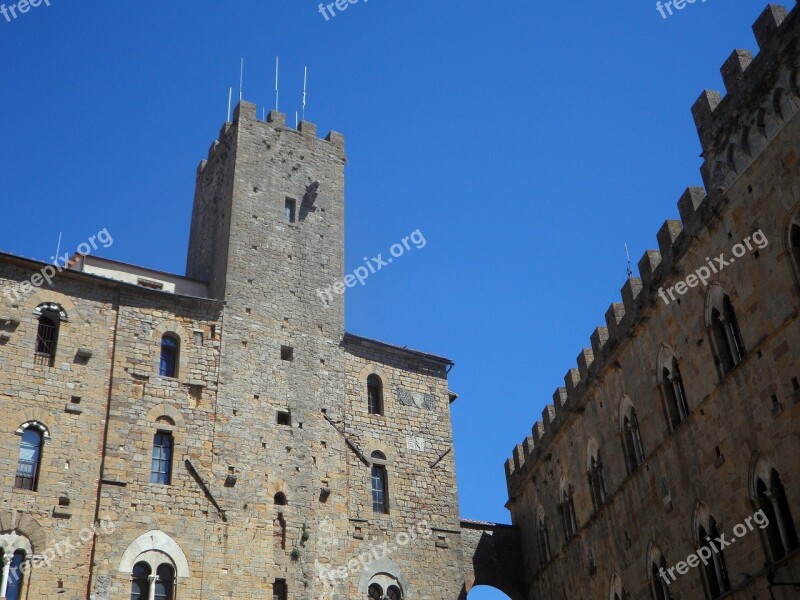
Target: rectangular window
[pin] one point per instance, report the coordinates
(379, 497)
(161, 469)
(279, 589)
(289, 210)
(284, 418)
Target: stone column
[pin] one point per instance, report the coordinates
(6, 569)
(151, 594)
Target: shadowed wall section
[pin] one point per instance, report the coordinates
(493, 557)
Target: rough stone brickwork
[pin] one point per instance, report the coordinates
(741, 422)
(273, 441)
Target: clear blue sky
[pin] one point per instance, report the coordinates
(528, 141)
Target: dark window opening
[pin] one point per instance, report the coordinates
(287, 353)
(374, 395)
(279, 590)
(284, 418)
(140, 582)
(168, 366)
(289, 211)
(47, 337)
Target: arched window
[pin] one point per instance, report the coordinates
(30, 459)
(673, 393)
(780, 531)
(567, 510)
(280, 499)
(715, 573)
(170, 347)
(794, 241)
(597, 484)
(542, 538)
(140, 582)
(47, 333)
(617, 592)
(165, 582)
(394, 593)
(724, 330)
(374, 395)
(375, 592)
(161, 467)
(659, 578)
(15, 576)
(632, 440)
(380, 491)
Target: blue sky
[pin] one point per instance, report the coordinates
(527, 141)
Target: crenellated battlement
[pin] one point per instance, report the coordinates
(247, 112)
(763, 92)
(760, 90)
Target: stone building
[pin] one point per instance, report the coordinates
(220, 435)
(679, 426)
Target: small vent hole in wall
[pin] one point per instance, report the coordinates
(795, 384)
(775, 404)
(287, 353)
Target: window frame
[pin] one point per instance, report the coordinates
(166, 339)
(36, 428)
(157, 475)
(375, 396)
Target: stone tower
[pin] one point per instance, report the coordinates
(267, 232)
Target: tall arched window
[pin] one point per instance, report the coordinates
(165, 582)
(727, 338)
(632, 440)
(542, 538)
(597, 483)
(673, 392)
(780, 532)
(394, 593)
(16, 574)
(47, 333)
(170, 347)
(140, 582)
(715, 572)
(374, 395)
(375, 592)
(794, 241)
(30, 459)
(567, 510)
(380, 491)
(793, 246)
(659, 588)
(161, 466)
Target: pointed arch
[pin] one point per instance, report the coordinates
(671, 387)
(159, 542)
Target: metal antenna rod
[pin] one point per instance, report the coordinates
(305, 81)
(241, 79)
(628, 254)
(277, 63)
(230, 96)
